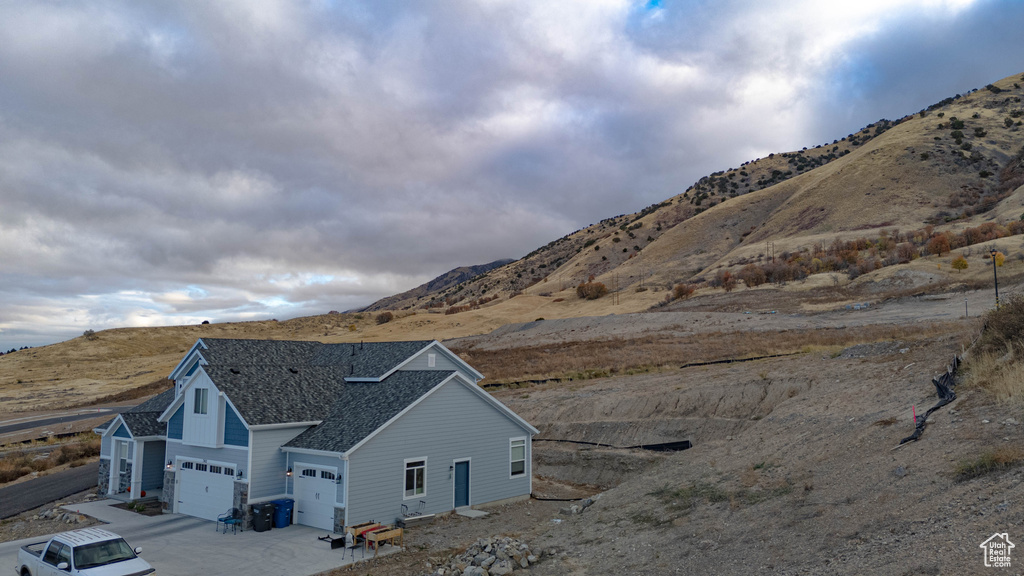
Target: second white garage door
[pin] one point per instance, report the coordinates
(316, 490)
(205, 490)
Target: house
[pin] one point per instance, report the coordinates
(135, 436)
(351, 432)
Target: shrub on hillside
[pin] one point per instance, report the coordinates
(591, 290)
(682, 291)
(959, 263)
(385, 317)
(938, 244)
(752, 275)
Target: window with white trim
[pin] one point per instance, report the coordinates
(431, 360)
(201, 396)
(215, 469)
(326, 475)
(187, 465)
(415, 478)
(309, 473)
(517, 457)
(229, 471)
(200, 467)
(122, 465)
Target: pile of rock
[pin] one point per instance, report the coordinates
(488, 557)
(60, 516)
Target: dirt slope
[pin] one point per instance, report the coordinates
(792, 471)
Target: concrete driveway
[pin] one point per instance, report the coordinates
(180, 545)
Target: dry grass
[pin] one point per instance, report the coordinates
(990, 461)
(591, 359)
(994, 365)
(1002, 375)
(20, 463)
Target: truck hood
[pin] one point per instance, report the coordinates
(133, 567)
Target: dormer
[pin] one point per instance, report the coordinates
(188, 367)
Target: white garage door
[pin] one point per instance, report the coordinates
(316, 489)
(205, 490)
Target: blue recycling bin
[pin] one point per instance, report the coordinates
(283, 512)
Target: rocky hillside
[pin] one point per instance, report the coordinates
(442, 283)
(955, 164)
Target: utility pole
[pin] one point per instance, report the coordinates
(995, 277)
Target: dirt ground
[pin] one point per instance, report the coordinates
(32, 523)
(793, 468)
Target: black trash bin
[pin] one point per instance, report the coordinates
(262, 516)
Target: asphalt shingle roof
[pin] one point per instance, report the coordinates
(282, 381)
(277, 394)
(142, 420)
(360, 408)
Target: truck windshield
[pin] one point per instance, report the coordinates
(100, 553)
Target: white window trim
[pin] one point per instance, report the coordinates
(431, 360)
(205, 393)
(510, 460)
(405, 469)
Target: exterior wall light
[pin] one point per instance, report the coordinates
(288, 473)
(170, 465)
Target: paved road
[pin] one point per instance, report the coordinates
(29, 424)
(28, 495)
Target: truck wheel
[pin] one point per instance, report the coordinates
(25, 572)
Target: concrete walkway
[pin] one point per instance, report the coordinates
(178, 545)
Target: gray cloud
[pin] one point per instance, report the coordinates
(167, 163)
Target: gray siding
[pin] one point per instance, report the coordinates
(441, 362)
(153, 464)
(238, 457)
(176, 423)
(453, 423)
(235, 433)
(105, 442)
(268, 461)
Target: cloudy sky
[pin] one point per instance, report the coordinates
(173, 162)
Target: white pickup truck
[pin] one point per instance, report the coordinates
(88, 552)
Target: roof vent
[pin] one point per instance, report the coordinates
(235, 371)
(293, 370)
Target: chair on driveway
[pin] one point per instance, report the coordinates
(232, 517)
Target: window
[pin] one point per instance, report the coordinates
(51, 553)
(122, 457)
(199, 407)
(215, 469)
(187, 465)
(229, 471)
(325, 475)
(431, 360)
(64, 555)
(200, 467)
(309, 473)
(517, 457)
(415, 478)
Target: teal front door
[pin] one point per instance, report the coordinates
(462, 484)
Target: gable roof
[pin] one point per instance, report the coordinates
(363, 360)
(278, 394)
(361, 408)
(144, 419)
